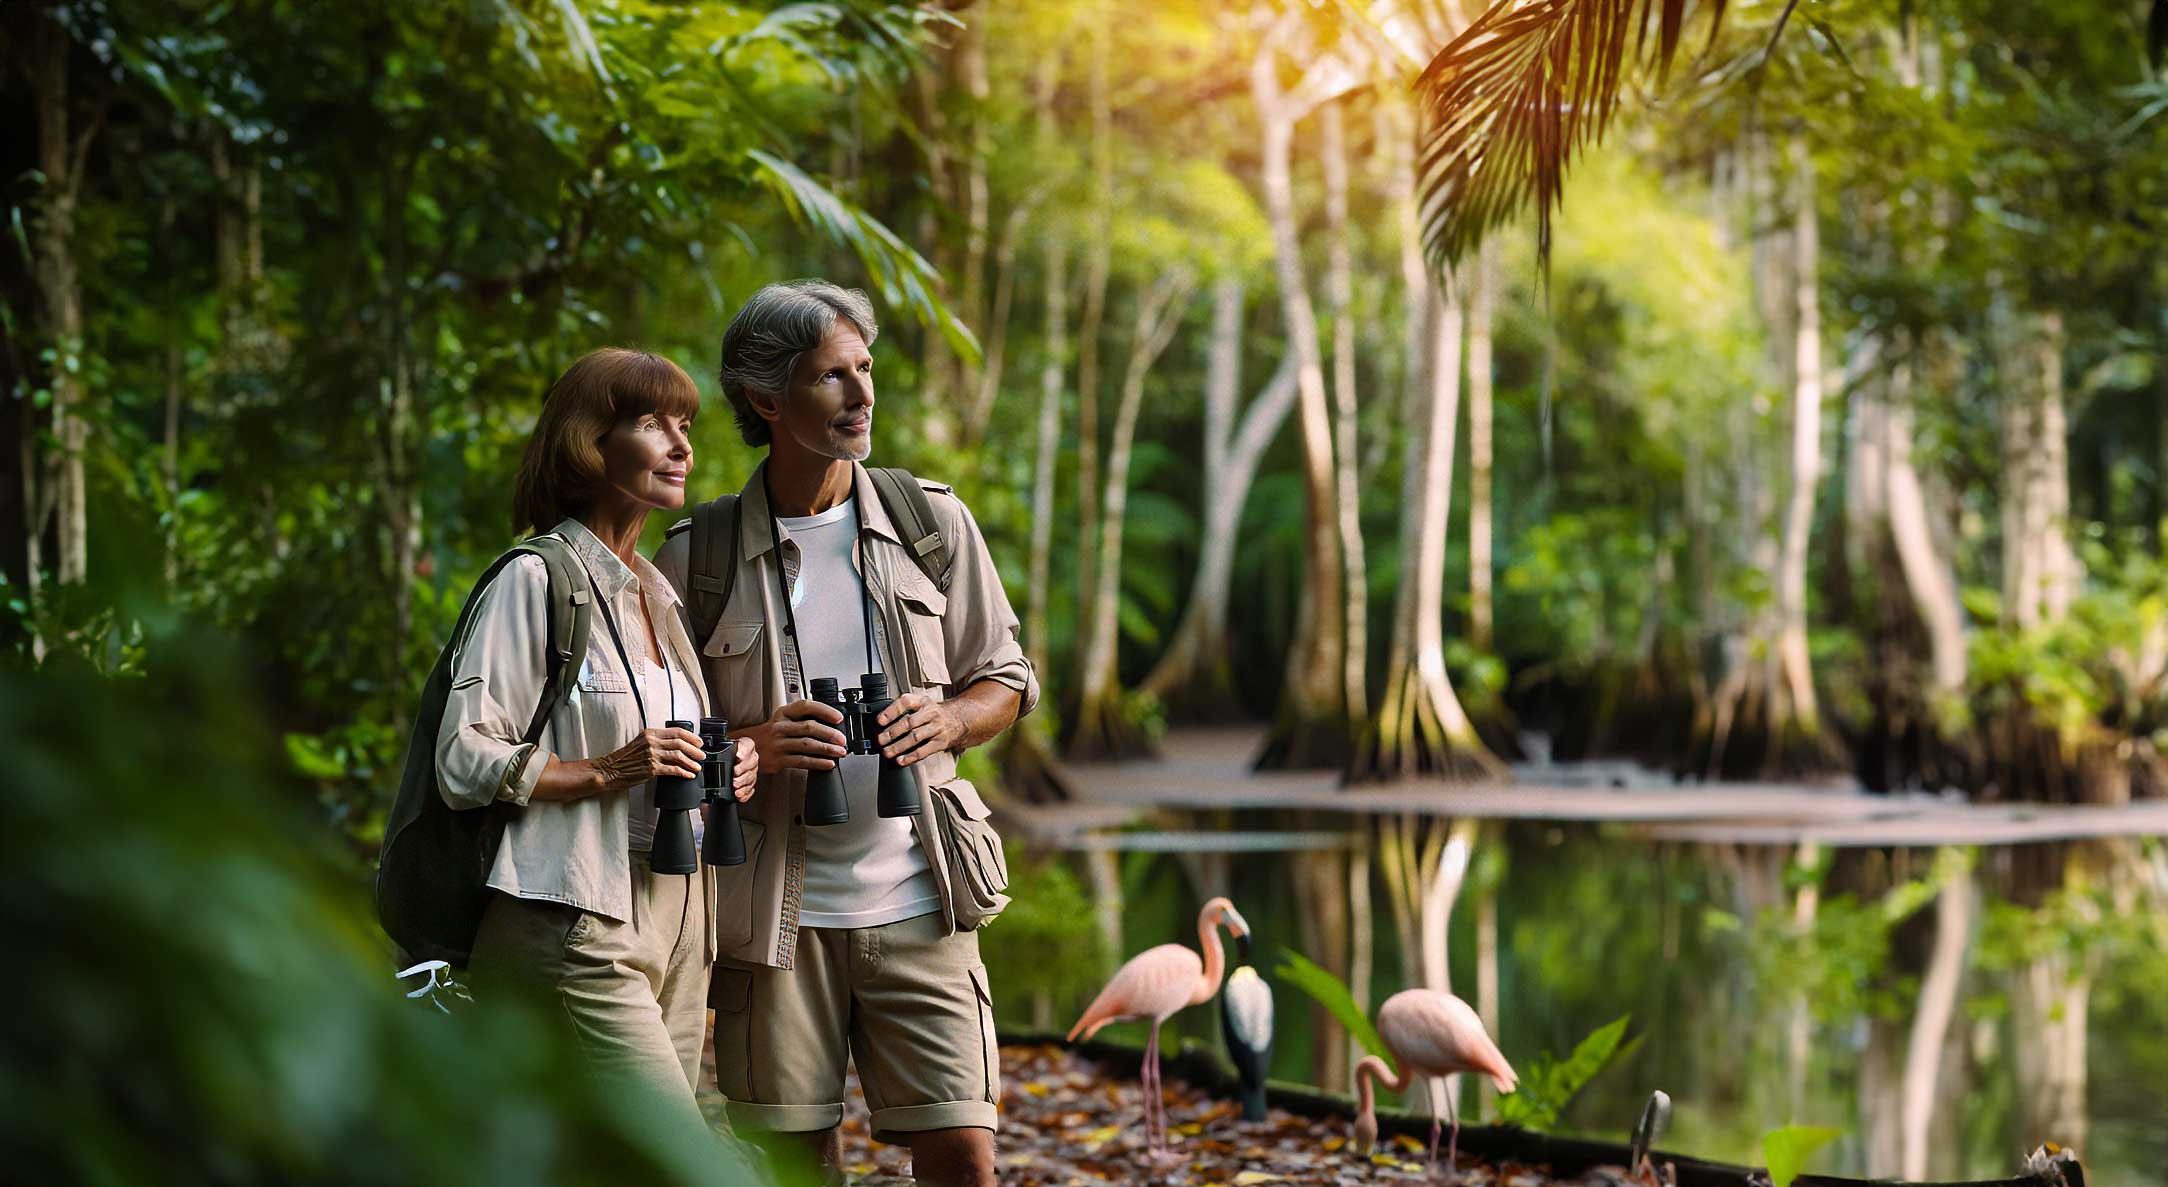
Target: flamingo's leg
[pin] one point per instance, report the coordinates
(1452, 1147)
(1430, 1098)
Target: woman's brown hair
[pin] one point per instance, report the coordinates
(562, 471)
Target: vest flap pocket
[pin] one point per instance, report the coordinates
(733, 638)
(968, 801)
(918, 592)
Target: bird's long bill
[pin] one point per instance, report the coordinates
(1235, 922)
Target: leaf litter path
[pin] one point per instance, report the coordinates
(1066, 1123)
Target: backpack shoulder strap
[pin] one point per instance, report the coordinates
(712, 564)
(904, 498)
(571, 622)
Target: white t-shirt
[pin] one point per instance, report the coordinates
(667, 697)
(867, 871)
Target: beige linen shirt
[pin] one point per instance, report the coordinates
(562, 851)
(941, 642)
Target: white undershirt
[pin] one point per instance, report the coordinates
(666, 699)
(867, 871)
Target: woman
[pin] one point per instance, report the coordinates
(624, 949)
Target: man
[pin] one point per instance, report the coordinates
(843, 940)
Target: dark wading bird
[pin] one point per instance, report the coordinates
(1246, 1024)
(1431, 1035)
(1158, 983)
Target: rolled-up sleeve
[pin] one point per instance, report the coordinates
(979, 627)
(497, 676)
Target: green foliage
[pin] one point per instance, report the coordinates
(1332, 993)
(1047, 943)
(1787, 1149)
(213, 1002)
(1548, 1084)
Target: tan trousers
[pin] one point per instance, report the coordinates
(634, 993)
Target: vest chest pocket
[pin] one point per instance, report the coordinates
(922, 606)
(735, 664)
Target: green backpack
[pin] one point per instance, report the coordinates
(712, 567)
(435, 859)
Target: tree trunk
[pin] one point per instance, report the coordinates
(1929, 576)
(1420, 727)
(1340, 295)
(1097, 262)
(1311, 727)
(1482, 297)
(1954, 911)
(1047, 454)
(1193, 678)
(2040, 570)
(1806, 470)
(1362, 940)
(57, 488)
(1102, 731)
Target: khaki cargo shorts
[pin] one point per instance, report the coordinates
(908, 1004)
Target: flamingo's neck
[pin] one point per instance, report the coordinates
(1369, 1072)
(1215, 959)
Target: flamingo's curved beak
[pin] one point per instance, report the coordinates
(1236, 923)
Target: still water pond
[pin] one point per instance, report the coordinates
(1749, 1015)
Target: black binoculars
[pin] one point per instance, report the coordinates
(677, 795)
(825, 802)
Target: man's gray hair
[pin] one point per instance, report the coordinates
(773, 331)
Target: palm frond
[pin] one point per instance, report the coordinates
(902, 276)
(582, 37)
(1510, 101)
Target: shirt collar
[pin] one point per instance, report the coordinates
(609, 574)
(754, 534)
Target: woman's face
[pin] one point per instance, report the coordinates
(646, 458)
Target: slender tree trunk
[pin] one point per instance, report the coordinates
(1193, 678)
(1101, 730)
(1105, 867)
(1797, 673)
(1929, 578)
(1311, 727)
(1340, 295)
(1482, 296)
(1955, 908)
(986, 389)
(63, 146)
(1047, 454)
(1097, 263)
(2040, 569)
(1420, 728)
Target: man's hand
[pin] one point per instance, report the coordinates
(916, 727)
(800, 737)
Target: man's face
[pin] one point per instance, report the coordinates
(829, 409)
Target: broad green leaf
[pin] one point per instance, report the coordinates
(1332, 993)
(1787, 1149)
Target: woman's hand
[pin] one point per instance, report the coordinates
(746, 776)
(654, 752)
(800, 737)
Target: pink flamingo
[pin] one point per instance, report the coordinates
(1430, 1034)
(1157, 983)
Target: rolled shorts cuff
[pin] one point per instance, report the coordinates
(889, 1124)
(784, 1118)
